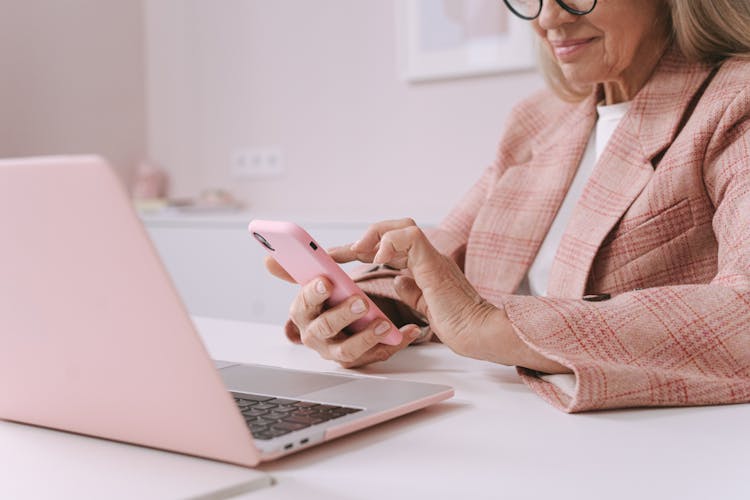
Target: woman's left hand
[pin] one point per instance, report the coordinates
(437, 289)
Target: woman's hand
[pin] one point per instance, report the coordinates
(439, 290)
(322, 329)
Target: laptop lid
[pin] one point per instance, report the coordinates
(89, 317)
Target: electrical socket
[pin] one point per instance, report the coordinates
(257, 163)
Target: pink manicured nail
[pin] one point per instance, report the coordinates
(320, 287)
(358, 306)
(382, 328)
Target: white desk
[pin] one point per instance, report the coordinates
(37, 463)
(496, 439)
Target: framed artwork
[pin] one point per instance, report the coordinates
(440, 39)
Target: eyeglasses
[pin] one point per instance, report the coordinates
(530, 9)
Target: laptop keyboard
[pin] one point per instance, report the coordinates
(270, 417)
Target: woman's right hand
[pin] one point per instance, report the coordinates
(321, 328)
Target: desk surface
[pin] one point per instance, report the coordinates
(496, 439)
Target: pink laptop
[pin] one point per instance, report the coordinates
(94, 338)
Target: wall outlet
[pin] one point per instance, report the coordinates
(257, 163)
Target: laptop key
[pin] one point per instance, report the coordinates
(264, 406)
(305, 404)
(252, 412)
(280, 401)
(303, 411)
(261, 421)
(289, 426)
(326, 407)
(328, 413)
(323, 417)
(275, 415)
(299, 419)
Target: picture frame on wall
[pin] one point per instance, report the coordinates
(442, 39)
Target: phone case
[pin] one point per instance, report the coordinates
(304, 259)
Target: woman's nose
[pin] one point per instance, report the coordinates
(553, 16)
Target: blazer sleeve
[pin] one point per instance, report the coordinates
(667, 346)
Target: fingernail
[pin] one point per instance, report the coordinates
(382, 328)
(358, 306)
(320, 287)
(415, 332)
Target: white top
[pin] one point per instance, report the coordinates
(538, 276)
(537, 279)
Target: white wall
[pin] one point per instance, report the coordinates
(189, 81)
(318, 79)
(72, 79)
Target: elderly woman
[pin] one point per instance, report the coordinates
(606, 253)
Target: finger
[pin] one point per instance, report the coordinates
(397, 247)
(308, 303)
(351, 349)
(292, 332)
(275, 268)
(382, 352)
(411, 294)
(370, 240)
(342, 254)
(330, 323)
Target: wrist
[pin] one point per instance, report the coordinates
(501, 344)
(497, 340)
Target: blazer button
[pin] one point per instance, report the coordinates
(597, 297)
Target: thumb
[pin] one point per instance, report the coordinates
(411, 294)
(275, 268)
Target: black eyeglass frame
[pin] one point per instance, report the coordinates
(561, 3)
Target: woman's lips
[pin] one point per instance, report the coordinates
(565, 49)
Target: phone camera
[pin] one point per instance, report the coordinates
(264, 241)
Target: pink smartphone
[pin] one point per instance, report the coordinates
(304, 259)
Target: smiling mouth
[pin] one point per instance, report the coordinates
(566, 48)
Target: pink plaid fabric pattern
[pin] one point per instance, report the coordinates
(663, 225)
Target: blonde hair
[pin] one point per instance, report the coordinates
(704, 30)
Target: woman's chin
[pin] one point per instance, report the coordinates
(577, 78)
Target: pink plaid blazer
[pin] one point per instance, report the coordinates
(663, 225)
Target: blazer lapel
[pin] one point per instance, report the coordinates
(624, 168)
(521, 206)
